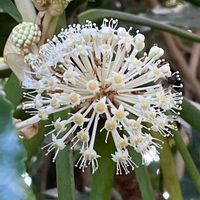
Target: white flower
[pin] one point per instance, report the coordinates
(81, 136)
(89, 156)
(101, 75)
(70, 75)
(119, 114)
(74, 99)
(57, 144)
(124, 161)
(93, 86)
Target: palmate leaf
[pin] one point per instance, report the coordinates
(12, 157)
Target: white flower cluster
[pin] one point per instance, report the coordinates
(99, 73)
(26, 34)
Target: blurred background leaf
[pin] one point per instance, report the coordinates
(12, 157)
(9, 7)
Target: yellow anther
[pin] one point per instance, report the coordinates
(118, 79)
(119, 114)
(110, 125)
(100, 107)
(78, 119)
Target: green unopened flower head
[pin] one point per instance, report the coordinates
(26, 35)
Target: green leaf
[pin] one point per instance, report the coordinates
(65, 174)
(191, 114)
(168, 168)
(142, 176)
(13, 90)
(99, 14)
(190, 166)
(65, 167)
(191, 15)
(102, 179)
(12, 157)
(9, 7)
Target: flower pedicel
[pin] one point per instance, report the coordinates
(99, 75)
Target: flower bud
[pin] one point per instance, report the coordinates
(139, 41)
(155, 52)
(25, 35)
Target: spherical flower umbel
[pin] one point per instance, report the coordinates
(101, 76)
(25, 35)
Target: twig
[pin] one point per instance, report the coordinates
(182, 65)
(194, 59)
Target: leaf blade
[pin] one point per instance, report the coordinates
(11, 157)
(142, 177)
(96, 14)
(191, 114)
(102, 179)
(9, 7)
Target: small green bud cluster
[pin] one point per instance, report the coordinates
(25, 35)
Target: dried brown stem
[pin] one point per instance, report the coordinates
(182, 65)
(194, 59)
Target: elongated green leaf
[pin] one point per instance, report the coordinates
(142, 176)
(190, 166)
(102, 179)
(190, 13)
(13, 90)
(171, 181)
(65, 174)
(12, 157)
(9, 7)
(191, 114)
(65, 168)
(98, 14)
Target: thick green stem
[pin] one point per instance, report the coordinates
(168, 168)
(142, 177)
(98, 14)
(102, 179)
(190, 166)
(65, 174)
